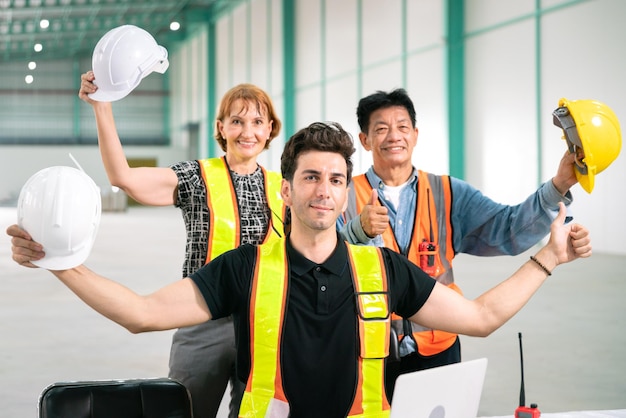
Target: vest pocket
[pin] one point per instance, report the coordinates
(374, 324)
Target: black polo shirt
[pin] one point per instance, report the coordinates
(320, 344)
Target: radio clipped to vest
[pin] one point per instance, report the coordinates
(427, 251)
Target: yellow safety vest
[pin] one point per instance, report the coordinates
(264, 395)
(432, 222)
(225, 224)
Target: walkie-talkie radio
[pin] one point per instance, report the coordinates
(427, 249)
(523, 411)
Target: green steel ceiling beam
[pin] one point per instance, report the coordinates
(289, 66)
(212, 87)
(75, 26)
(455, 54)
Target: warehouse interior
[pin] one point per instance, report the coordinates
(485, 76)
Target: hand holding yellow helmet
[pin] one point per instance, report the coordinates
(592, 127)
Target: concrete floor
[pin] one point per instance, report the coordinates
(573, 329)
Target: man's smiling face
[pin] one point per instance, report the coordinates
(318, 192)
(391, 137)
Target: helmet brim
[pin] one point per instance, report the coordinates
(64, 262)
(586, 182)
(108, 96)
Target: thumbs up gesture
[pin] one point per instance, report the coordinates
(374, 219)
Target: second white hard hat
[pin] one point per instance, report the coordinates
(122, 58)
(60, 208)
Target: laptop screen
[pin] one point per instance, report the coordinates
(451, 391)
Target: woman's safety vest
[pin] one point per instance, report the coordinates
(225, 223)
(264, 395)
(430, 247)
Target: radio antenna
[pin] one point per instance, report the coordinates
(522, 394)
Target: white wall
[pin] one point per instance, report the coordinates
(510, 81)
(341, 58)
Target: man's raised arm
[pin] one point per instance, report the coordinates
(173, 306)
(449, 311)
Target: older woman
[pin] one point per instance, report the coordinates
(225, 202)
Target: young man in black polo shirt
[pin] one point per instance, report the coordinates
(318, 341)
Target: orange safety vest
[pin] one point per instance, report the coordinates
(225, 224)
(432, 224)
(264, 395)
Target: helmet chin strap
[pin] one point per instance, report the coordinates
(562, 118)
(76, 163)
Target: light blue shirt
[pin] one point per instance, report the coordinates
(480, 226)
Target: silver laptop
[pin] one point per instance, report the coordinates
(451, 391)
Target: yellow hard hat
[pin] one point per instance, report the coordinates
(593, 127)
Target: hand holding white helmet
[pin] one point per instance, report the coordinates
(122, 58)
(60, 208)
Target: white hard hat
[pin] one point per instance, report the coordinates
(60, 208)
(122, 58)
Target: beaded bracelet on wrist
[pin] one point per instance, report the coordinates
(544, 268)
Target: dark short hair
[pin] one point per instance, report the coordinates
(318, 136)
(381, 100)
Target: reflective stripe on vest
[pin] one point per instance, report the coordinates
(370, 284)
(434, 197)
(264, 395)
(225, 225)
